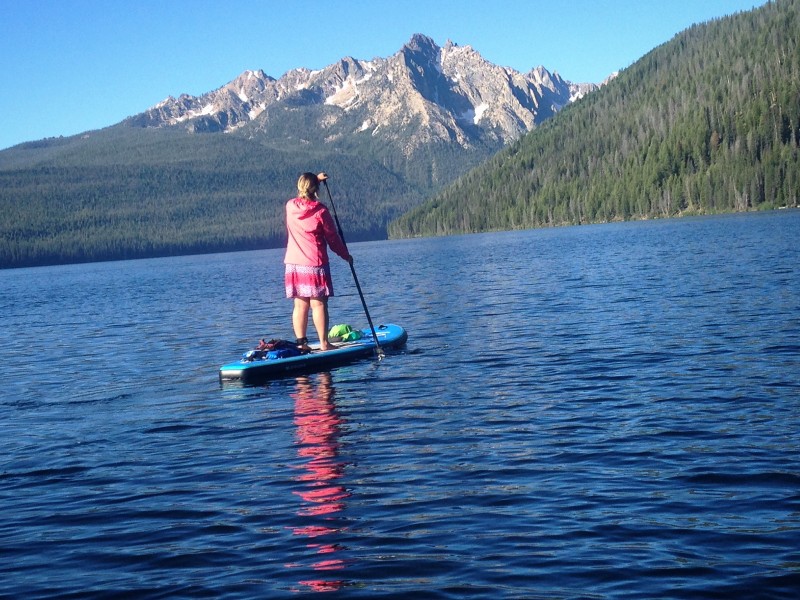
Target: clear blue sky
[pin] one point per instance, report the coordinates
(69, 66)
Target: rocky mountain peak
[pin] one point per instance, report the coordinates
(421, 43)
(422, 94)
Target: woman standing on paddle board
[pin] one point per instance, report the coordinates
(308, 275)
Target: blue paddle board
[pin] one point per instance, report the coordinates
(254, 370)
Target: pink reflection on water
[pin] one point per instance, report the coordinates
(318, 429)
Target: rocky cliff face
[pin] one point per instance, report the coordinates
(423, 94)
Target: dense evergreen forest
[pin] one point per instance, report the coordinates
(130, 193)
(708, 122)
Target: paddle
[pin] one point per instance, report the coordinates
(324, 179)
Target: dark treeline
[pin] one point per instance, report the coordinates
(708, 122)
(126, 193)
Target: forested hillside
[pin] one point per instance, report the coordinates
(126, 193)
(708, 122)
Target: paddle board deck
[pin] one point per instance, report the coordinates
(263, 369)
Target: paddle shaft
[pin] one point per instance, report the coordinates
(378, 348)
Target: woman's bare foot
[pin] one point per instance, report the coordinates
(324, 346)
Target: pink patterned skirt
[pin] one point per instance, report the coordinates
(308, 282)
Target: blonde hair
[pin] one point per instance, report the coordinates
(308, 186)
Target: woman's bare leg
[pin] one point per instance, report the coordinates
(319, 312)
(300, 317)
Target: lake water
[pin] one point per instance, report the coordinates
(588, 412)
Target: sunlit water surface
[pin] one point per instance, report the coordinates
(596, 412)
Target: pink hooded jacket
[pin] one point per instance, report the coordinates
(311, 229)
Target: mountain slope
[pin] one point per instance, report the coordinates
(163, 193)
(448, 94)
(707, 122)
(211, 173)
(414, 111)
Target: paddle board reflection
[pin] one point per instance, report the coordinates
(317, 438)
